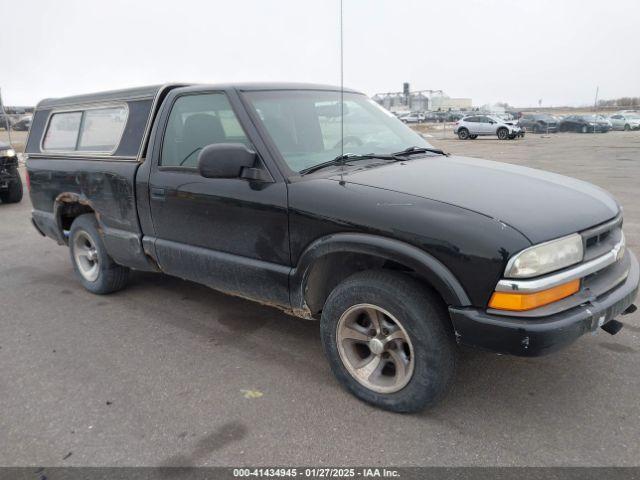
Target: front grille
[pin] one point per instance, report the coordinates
(601, 239)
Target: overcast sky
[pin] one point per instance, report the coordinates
(489, 50)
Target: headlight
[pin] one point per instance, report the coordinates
(8, 153)
(546, 257)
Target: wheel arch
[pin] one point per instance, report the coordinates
(330, 259)
(67, 207)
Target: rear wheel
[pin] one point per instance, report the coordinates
(13, 193)
(503, 133)
(387, 341)
(473, 137)
(95, 269)
(463, 133)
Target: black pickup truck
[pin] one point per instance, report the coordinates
(317, 201)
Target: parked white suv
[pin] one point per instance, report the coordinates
(625, 121)
(413, 117)
(474, 125)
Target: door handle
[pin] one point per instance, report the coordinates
(158, 193)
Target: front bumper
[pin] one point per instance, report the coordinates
(539, 336)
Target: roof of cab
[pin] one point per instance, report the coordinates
(139, 93)
(112, 95)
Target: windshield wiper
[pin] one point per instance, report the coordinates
(414, 150)
(343, 159)
(394, 157)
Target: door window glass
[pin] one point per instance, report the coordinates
(196, 121)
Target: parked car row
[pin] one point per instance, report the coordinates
(22, 124)
(435, 117)
(470, 127)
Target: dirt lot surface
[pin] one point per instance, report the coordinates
(168, 372)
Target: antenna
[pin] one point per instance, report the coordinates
(341, 90)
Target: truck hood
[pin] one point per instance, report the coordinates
(541, 205)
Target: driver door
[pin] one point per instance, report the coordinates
(487, 126)
(229, 233)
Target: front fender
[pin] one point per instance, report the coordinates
(425, 265)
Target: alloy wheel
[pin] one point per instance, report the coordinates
(85, 255)
(375, 348)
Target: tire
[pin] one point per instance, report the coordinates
(13, 194)
(93, 266)
(397, 300)
(473, 137)
(463, 133)
(503, 133)
(627, 127)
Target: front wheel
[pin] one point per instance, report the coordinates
(388, 341)
(503, 133)
(95, 269)
(473, 137)
(627, 127)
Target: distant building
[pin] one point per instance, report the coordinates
(420, 100)
(493, 108)
(445, 103)
(399, 101)
(18, 110)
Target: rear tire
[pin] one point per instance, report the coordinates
(503, 133)
(14, 193)
(463, 133)
(473, 137)
(95, 269)
(405, 374)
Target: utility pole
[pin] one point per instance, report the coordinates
(595, 106)
(6, 119)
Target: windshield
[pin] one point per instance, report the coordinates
(307, 129)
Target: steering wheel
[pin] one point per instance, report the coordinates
(347, 140)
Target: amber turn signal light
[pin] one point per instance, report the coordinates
(519, 302)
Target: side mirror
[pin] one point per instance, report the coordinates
(225, 160)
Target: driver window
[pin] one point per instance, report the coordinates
(196, 121)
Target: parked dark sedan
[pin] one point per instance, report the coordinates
(539, 123)
(22, 125)
(584, 124)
